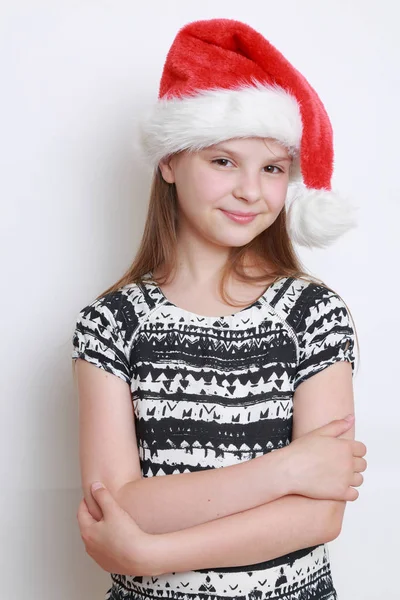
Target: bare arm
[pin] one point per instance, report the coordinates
(253, 536)
(174, 502)
(277, 528)
(108, 452)
(326, 396)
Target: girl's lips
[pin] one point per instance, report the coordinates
(239, 218)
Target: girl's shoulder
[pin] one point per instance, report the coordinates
(121, 309)
(319, 322)
(296, 297)
(105, 328)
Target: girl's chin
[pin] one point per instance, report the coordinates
(235, 241)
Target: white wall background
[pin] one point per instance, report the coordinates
(74, 78)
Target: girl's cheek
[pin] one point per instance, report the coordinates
(278, 202)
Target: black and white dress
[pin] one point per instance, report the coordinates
(210, 392)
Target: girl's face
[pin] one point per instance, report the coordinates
(246, 175)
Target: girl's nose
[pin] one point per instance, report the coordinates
(248, 187)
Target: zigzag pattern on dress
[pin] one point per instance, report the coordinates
(276, 580)
(209, 392)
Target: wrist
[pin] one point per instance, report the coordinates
(286, 476)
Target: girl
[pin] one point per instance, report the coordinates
(175, 383)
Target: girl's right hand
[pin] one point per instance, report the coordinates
(324, 467)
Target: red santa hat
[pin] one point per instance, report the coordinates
(223, 80)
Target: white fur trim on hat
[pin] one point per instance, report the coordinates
(214, 115)
(316, 218)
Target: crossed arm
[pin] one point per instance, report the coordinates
(231, 516)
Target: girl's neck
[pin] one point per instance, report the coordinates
(205, 298)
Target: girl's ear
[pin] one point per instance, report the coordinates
(166, 169)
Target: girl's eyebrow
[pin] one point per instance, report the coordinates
(237, 154)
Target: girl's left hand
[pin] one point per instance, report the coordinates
(116, 543)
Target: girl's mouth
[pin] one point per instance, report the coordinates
(239, 218)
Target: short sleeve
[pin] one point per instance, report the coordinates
(326, 335)
(99, 340)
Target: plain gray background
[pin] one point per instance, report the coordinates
(75, 78)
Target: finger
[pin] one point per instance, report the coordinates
(337, 427)
(351, 494)
(104, 499)
(359, 449)
(84, 517)
(359, 465)
(357, 480)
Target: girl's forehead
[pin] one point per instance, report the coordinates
(243, 146)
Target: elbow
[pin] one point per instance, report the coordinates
(331, 521)
(137, 505)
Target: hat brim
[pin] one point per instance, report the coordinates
(210, 116)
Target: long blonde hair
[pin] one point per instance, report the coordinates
(271, 252)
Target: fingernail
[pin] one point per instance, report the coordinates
(97, 485)
(349, 418)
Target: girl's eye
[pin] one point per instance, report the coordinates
(225, 160)
(219, 160)
(279, 170)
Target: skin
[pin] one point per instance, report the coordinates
(119, 545)
(246, 175)
(249, 175)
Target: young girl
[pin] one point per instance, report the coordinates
(216, 349)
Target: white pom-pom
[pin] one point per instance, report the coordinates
(317, 218)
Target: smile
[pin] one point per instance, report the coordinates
(239, 218)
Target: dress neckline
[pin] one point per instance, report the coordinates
(148, 279)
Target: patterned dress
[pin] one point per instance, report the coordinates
(209, 392)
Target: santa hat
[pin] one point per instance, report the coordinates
(223, 80)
